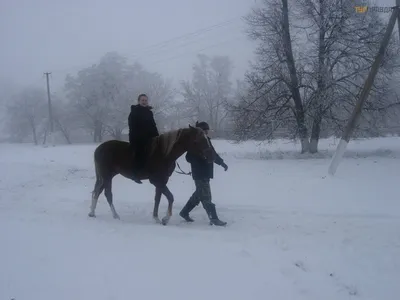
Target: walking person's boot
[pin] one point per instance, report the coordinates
(212, 215)
(184, 213)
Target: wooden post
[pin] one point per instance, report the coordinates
(341, 148)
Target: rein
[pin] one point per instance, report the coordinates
(181, 171)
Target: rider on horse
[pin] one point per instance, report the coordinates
(142, 128)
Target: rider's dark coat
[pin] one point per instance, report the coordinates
(142, 126)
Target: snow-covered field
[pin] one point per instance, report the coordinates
(293, 232)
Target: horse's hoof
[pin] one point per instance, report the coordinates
(117, 217)
(165, 221)
(92, 215)
(157, 220)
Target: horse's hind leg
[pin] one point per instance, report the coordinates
(167, 193)
(98, 189)
(109, 196)
(157, 199)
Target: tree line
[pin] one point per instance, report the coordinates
(311, 61)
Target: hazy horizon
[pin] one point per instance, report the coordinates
(63, 37)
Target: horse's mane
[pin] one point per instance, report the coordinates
(166, 141)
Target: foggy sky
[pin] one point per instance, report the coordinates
(62, 37)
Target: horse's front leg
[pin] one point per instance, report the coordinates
(157, 199)
(167, 193)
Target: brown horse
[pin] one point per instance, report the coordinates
(116, 157)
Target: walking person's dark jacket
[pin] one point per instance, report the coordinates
(202, 172)
(201, 169)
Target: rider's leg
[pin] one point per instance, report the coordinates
(134, 151)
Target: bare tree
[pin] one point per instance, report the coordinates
(26, 113)
(207, 94)
(86, 93)
(67, 119)
(104, 93)
(306, 79)
(341, 46)
(274, 84)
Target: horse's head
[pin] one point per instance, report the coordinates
(199, 143)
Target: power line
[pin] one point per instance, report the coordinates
(190, 34)
(199, 50)
(176, 46)
(183, 37)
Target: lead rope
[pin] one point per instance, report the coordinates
(181, 171)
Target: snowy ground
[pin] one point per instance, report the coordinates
(293, 232)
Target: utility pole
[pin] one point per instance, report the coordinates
(398, 18)
(341, 148)
(51, 128)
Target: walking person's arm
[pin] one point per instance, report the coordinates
(218, 159)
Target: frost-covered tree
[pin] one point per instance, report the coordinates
(27, 114)
(207, 94)
(103, 93)
(66, 118)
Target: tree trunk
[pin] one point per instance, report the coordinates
(321, 82)
(294, 81)
(100, 133)
(45, 136)
(97, 137)
(315, 132)
(64, 131)
(118, 134)
(94, 134)
(35, 140)
(305, 144)
(66, 135)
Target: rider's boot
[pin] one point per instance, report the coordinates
(135, 179)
